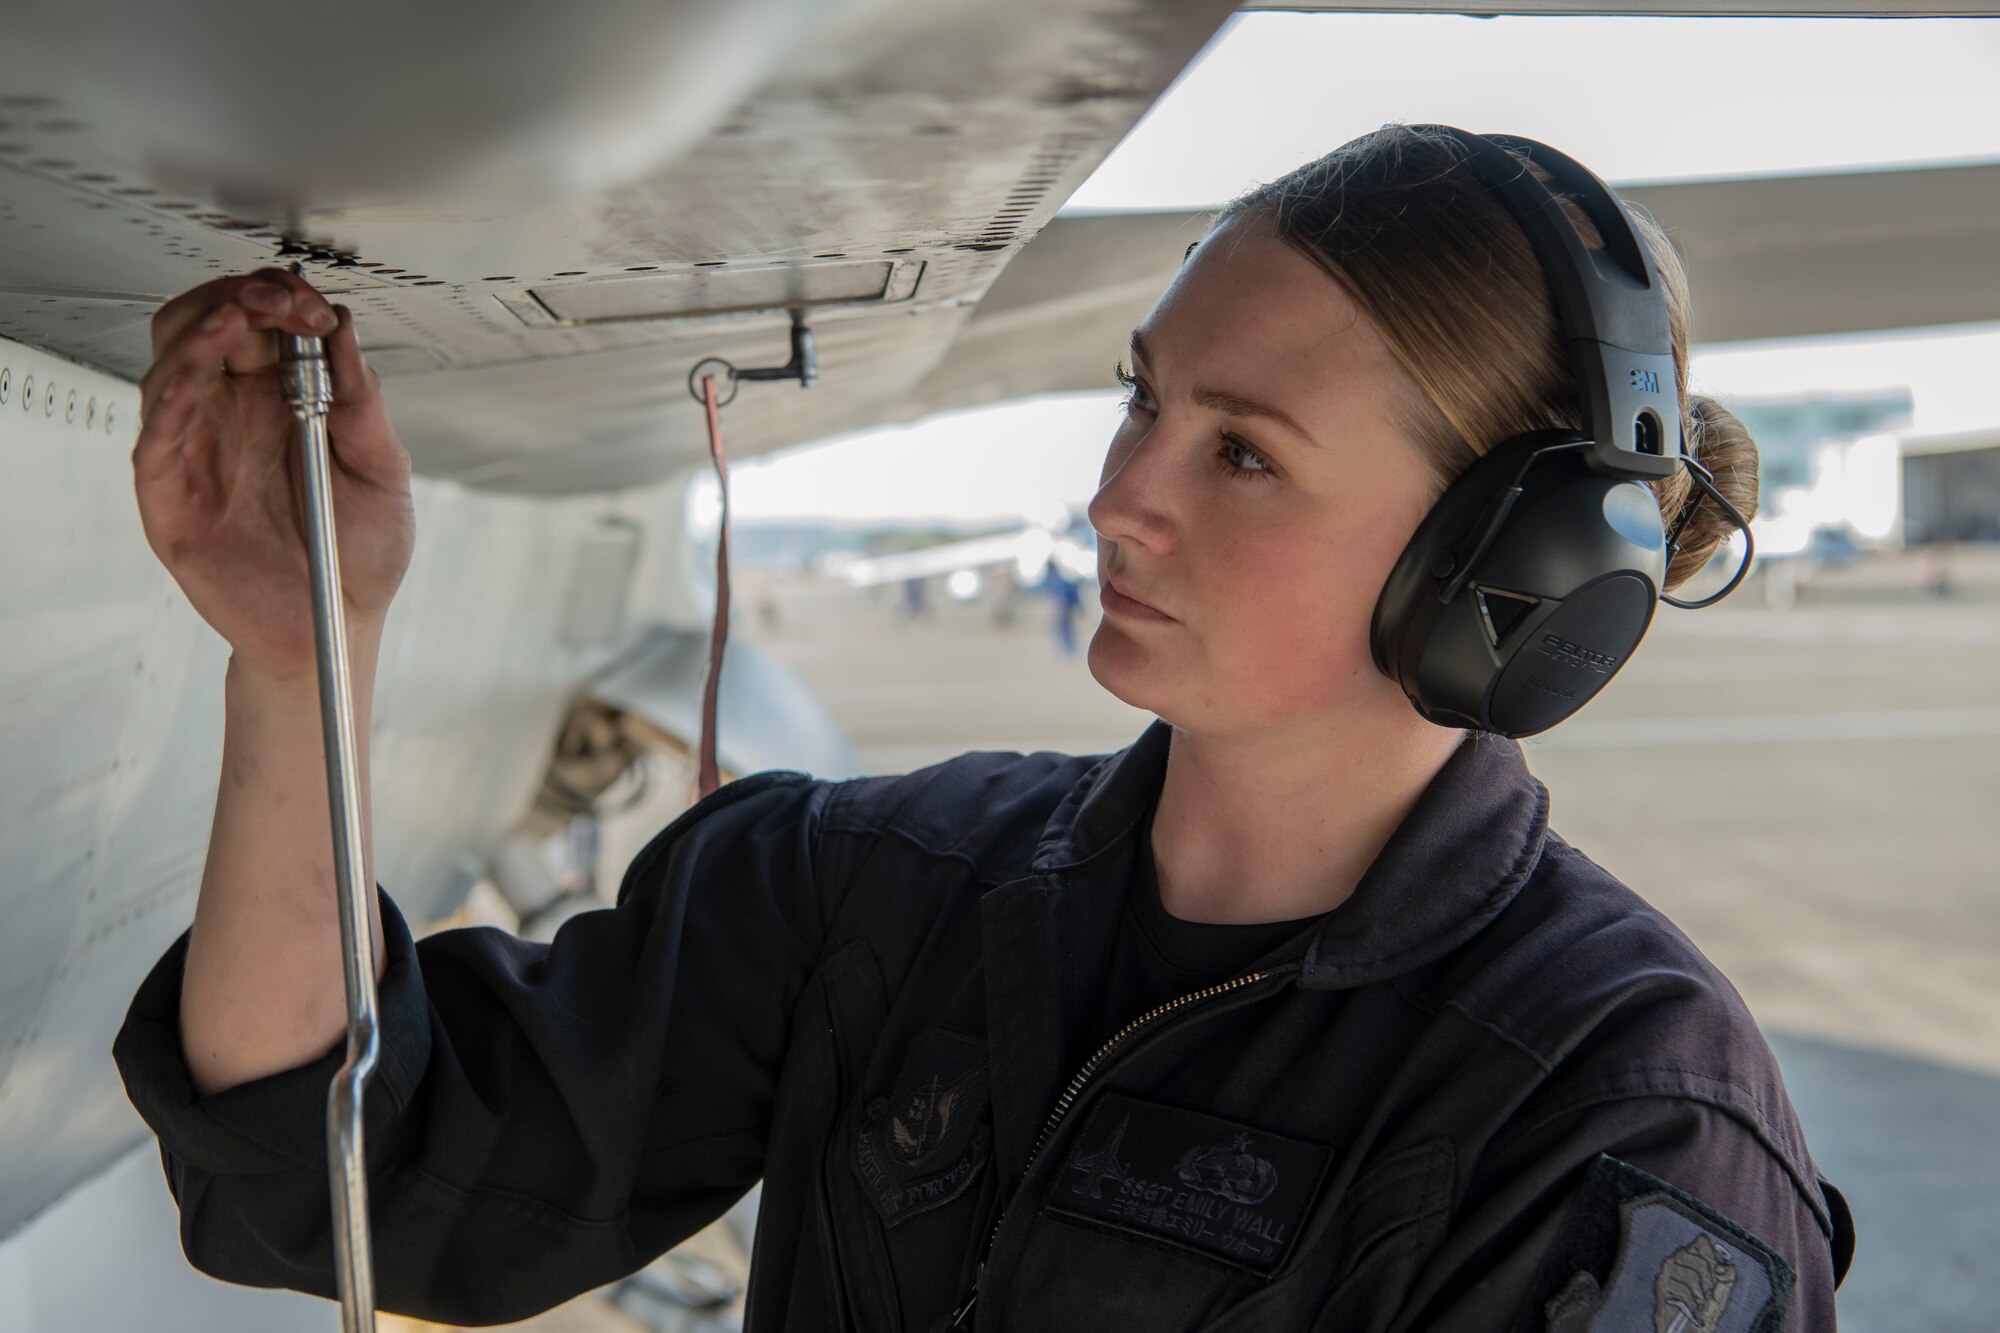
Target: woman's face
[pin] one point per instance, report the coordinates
(1254, 497)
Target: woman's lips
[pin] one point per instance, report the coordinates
(1121, 604)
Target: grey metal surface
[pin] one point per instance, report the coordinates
(308, 390)
(932, 133)
(511, 312)
(1791, 256)
(111, 726)
(1683, 8)
(108, 1257)
(906, 133)
(296, 108)
(765, 717)
(111, 731)
(1775, 257)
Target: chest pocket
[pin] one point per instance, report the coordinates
(915, 1152)
(923, 1144)
(905, 1181)
(850, 1009)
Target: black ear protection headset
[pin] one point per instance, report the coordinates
(1533, 578)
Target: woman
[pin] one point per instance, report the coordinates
(1294, 1015)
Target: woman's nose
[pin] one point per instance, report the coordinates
(1133, 504)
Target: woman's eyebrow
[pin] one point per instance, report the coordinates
(1222, 400)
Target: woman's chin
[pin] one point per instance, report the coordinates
(1128, 670)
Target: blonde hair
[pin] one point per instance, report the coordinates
(1454, 288)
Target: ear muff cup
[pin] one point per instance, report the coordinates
(1553, 608)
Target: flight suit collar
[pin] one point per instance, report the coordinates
(1454, 863)
(1464, 851)
(1107, 804)
(1451, 866)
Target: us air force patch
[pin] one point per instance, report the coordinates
(1680, 1266)
(1224, 1190)
(924, 1143)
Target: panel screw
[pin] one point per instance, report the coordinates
(69, 408)
(27, 393)
(6, 382)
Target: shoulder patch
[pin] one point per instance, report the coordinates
(1637, 1255)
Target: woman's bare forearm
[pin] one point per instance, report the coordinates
(264, 989)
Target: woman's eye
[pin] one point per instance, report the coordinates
(1239, 459)
(1234, 459)
(1136, 398)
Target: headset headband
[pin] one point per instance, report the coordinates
(1533, 578)
(1610, 302)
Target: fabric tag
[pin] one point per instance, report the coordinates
(1681, 1266)
(924, 1143)
(1222, 1189)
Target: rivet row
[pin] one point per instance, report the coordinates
(74, 405)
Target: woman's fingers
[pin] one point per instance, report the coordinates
(277, 302)
(362, 438)
(197, 355)
(295, 303)
(157, 458)
(287, 303)
(271, 300)
(265, 305)
(354, 380)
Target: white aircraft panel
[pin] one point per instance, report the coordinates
(111, 730)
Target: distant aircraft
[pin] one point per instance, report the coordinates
(1027, 552)
(542, 223)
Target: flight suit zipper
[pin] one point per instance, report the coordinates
(961, 1317)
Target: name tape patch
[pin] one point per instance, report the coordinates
(1224, 1190)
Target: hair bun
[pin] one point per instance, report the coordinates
(1720, 442)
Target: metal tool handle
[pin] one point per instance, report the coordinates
(308, 385)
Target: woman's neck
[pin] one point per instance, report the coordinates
(1283, 824)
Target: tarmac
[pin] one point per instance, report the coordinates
(1808, 792)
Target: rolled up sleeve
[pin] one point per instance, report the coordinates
(545, 1118)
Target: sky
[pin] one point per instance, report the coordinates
(1735, 97)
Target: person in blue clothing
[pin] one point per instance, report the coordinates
(1066, 599)
(1296, 1014)
(916, 598)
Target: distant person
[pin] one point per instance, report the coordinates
(1932, 576)
(1065, 600)
(916, 599)
(1004, 592)
(1293, 1015)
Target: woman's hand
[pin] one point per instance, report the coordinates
(221, 485)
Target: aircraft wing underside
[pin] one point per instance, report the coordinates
(1678, 8)
(535, 299)
(543, 223)
(1776, 257)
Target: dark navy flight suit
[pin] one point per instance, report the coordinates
(1494, 1090)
